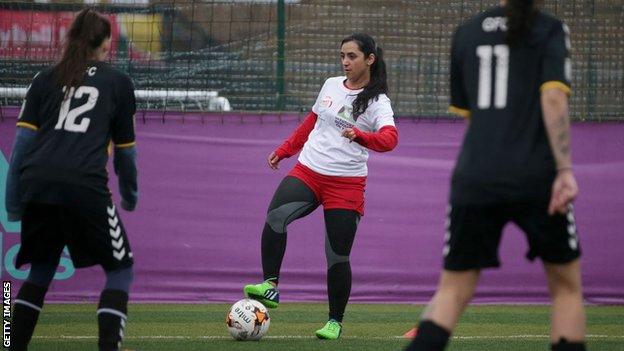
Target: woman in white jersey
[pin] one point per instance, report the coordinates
(351, 115)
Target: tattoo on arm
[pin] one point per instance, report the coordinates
(557, 123)
(563, 136)
(559, 133)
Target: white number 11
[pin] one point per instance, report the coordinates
(485, 53)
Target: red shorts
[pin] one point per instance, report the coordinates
(333, 192)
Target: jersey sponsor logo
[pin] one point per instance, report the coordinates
(9, 237)
(492, 24)
(326, 102)
(344, 118)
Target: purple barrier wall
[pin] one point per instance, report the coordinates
(204, 189)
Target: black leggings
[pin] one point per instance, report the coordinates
(293, 199)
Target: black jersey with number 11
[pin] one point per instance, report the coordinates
(67, 163)
(505, 155)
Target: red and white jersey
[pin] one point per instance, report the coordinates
(327, 151)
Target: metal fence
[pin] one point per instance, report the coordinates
(264, 57)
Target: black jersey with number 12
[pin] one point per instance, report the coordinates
(67, 164)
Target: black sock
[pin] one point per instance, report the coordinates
(338, 289)
(430, 337)
(112, 312)
(273, 248)
(564, 345)
(26, 308)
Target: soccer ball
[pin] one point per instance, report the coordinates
(247, 319)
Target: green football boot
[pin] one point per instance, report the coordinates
(331, 330)
(264, 292)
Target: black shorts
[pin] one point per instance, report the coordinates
(473, 234)
(93, 235)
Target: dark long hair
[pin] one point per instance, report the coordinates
(378, 82)
(520, 15)
(86, 34)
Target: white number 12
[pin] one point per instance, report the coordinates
(485, 53)
(67, 117)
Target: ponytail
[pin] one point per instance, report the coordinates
(86, 34)
(378, 83)
(520, 15)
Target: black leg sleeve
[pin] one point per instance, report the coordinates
(292, 200)
(341, 226)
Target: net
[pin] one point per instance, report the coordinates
(233, 48)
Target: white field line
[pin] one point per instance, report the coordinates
(286, 337)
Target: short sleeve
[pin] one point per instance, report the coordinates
(123, 121)
(319, 98)
(557, 65)
(459, 101)
(382, 113)
(29, 114)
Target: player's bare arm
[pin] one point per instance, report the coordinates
(557, 123)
